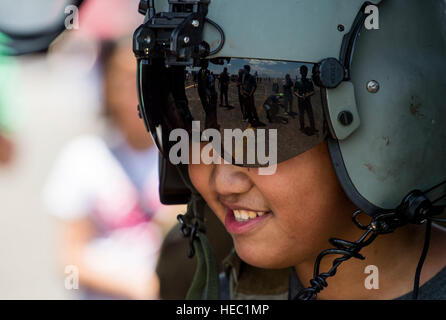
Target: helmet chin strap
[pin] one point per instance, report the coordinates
(416, 208)
(205, 284)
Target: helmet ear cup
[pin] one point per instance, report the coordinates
(399, 146)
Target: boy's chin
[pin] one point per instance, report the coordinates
(259, 257)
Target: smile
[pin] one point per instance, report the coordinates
(246, 215)
(242, 221)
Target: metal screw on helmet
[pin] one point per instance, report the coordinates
(196, 23)
(341, 28)
(345, 118)
(186, 39)
(373, 86)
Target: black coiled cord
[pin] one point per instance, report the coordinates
(382, 224)
(415, 208)
(348, 250)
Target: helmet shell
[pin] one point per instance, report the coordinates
(400, 144)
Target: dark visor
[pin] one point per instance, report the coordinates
(276, 98)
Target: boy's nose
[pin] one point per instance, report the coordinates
(227, 180)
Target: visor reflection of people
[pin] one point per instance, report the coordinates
(240, 96)
(288, 95)
(275, 88)
(304, 90)
(248, 88)
(208, 95)
(272, 106)
(256, 76)
(224, 87)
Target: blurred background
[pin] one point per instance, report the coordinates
(78, 172)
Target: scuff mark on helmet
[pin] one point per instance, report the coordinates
(215, 43)
(415, 108)
(370, 167)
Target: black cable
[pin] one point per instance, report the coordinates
(222, 35)
(435, 187)
(438, 199)
(381, 224)
(438, 220)
(416, 282)
(348, 250)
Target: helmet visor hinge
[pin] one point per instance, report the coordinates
(176, 35)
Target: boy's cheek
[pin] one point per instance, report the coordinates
(200, 176)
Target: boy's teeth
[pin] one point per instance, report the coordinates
(246, 215)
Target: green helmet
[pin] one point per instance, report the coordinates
(379, 66)
(394, 92)
(383, 88)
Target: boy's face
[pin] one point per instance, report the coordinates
(303, 204)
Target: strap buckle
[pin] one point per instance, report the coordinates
(190, 231)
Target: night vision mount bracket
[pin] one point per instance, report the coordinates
(175, 36)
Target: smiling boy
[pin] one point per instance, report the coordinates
(368, 183)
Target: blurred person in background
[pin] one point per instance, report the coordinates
(104, 190)
(6, 150)
(6, 121)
